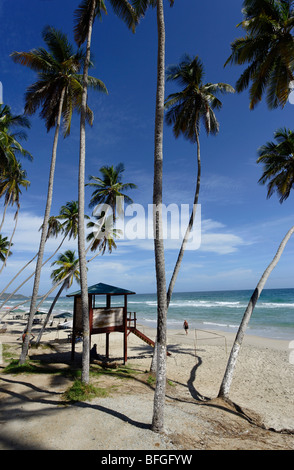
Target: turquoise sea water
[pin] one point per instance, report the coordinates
(273, 316)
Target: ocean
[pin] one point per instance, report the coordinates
(273, 316)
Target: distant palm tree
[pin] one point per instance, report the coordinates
(68, 271)
(268, 48)
(67, 219)
(278, 160)
(58, 91)
(10, 146)
(13, 177)
(102, 236)
(110, 187)
(4, 248)
(85, 16)
(68, 228)
(194, 104)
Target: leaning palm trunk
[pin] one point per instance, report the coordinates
(189, 228)
(159, 395)
(29, 277)
(183, 246)
(10, 241)
(43, 235)
(228, 376)
(81, 228)
(50, 311)
(17, 274)
(4, 212)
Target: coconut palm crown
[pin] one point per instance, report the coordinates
(122, 8)
(58, 69)
(195, 102)
(278, 161)
(267, 49)
(11, 132)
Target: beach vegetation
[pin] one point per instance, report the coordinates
(80, 391)
(186, 110)
(107, 192)
(5, 248)
(268, 46)
(12, 180)
(12, 175)
(10, 146)
(85, 15)
(109, 188)
(65, 223)
(8, 354)
(29, 367)
(58, 91)
(278, 164)
(268, 49)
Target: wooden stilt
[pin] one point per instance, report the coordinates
(107, 345)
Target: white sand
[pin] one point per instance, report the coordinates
(32, 415)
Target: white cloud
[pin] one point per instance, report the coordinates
(138, 233)
(221, 243)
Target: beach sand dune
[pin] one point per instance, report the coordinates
(34, 416)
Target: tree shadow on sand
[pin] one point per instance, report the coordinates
(225, 405)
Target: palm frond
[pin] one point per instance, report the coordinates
(82, 17)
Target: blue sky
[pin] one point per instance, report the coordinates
(241, 229)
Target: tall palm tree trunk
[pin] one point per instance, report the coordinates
(159, 395)
(190, 225)
(43, 234)
(81, 228)
(228, 376)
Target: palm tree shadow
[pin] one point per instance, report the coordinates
(194, 393)
(44, 399)
(114, 413)
(222, 404)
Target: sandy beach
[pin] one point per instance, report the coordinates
(33, 414)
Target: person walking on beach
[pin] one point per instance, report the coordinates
(186, 326)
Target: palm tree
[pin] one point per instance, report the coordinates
(228, 375)
(4, 248)
(278, 160)
(268, 48)
(186, 109)
(68, 214)
(108, 188)
(13, 177)
(278, 171)
(102, 236)
(67, 271)
(159, 397)
(85, 16)
(10, 146)
(58, 91)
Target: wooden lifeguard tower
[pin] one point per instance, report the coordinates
(105, 319)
